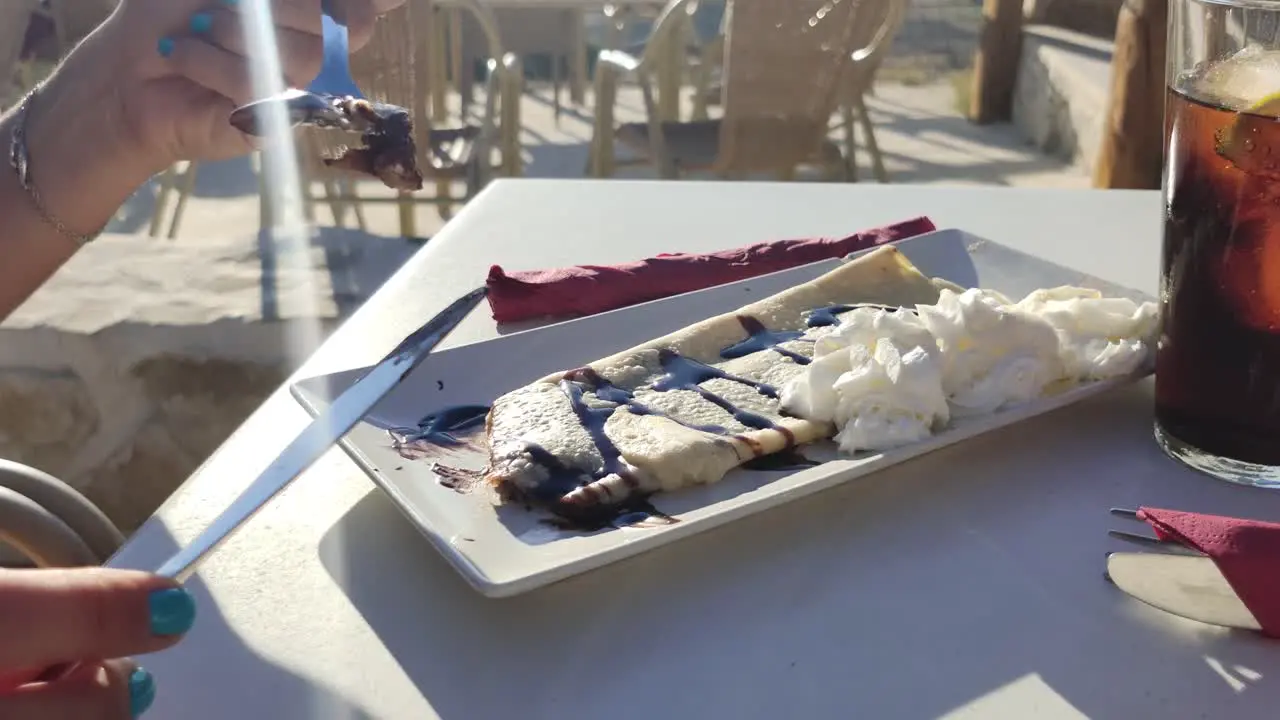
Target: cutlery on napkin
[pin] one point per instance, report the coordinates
(590, 289)
(1233, 580)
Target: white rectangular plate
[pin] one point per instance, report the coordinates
(509, 550)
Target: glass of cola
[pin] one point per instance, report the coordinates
(1218, 362)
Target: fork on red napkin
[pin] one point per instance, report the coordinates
(1246, 552)
(589, 289)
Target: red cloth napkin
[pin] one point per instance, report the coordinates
(590, 289)
(1247, 552)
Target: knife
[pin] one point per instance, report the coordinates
(1186, 585)
(327, 428)
(315, 440)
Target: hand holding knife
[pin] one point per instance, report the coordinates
(347, 409)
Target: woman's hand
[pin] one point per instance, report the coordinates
(188, 64)
(155, 84)
(92, 616)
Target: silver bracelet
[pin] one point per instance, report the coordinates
(20, 161)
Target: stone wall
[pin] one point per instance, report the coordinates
(1091, 17)
(135, 362)
(1060, 95)
(126, 436)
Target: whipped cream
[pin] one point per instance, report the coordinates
(889, 378)
(1098, 337)
(834, 355)
(891, 396)
(992, 354)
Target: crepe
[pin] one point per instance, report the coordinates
(685, 408)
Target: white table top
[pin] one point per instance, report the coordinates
(968, 581)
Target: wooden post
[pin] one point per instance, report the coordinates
(1133, 134)
(995, 67)
(578, 61)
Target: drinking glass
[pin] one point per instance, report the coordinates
(1218, 362)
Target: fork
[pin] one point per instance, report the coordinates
(1178, 579)
(1151, 541)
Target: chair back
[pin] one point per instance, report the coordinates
(878, 23)
(524, 31)
(783, 62)
(395, 66)
(665, 54)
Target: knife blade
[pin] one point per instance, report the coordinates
(1187, 585)
(328, 428)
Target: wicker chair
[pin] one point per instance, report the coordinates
(399, 67)
(683, 51)
(556, 33)
(783, 63)
(878, 23)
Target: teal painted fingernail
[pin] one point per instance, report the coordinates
(173, 611)
(165, 47)
(201, 23)
(142, 691)
(231, 3)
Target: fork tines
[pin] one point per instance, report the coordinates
(1148, 540)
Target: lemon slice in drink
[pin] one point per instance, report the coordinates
(1252, 141)
(1268, 106)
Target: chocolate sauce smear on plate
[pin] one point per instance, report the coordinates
(439, 427)
(439, 434)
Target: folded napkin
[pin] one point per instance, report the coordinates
(590, 289)
(1247, 552)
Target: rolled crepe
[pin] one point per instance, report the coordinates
(682, 409)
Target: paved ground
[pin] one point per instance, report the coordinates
(923, 138)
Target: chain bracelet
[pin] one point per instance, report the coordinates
(20, 161)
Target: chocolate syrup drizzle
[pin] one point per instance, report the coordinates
(829, 315)
(761, 338)
(680, 373)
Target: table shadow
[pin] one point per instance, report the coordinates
(867, 617)
(213, 662)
